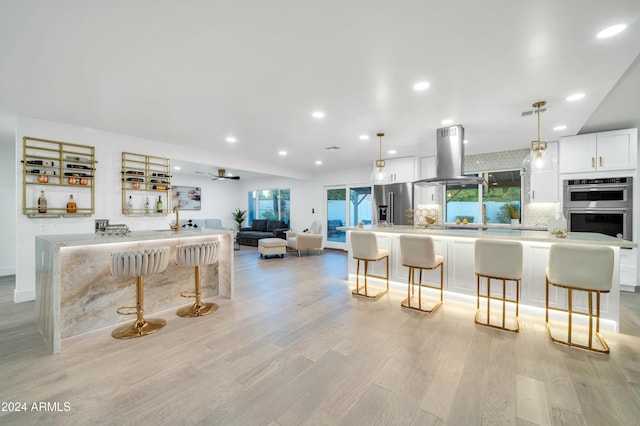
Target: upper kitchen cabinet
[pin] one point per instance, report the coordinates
(543, 180)
(400, 169)
(427, 194)
(605, 151)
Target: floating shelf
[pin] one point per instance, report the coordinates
(54, 166)
(145, 176)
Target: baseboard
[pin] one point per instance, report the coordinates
(630, 288)
(20, 296)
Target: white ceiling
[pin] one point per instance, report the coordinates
(194, 72)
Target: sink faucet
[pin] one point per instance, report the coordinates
(176, 227)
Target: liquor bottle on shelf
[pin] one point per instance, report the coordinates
(71, 205)
(147, 205)
(130, 203)
(42, 203)
(159, 204)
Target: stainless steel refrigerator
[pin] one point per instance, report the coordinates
(391, 201)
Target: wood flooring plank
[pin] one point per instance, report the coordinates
(531, 405)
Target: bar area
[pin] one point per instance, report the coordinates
(76, 293)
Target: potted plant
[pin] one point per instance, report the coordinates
(239, 216)
(513, 210)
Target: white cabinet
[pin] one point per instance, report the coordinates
(428, 194)
(605, 151)
(544, 187)
(400, 169)
(543, 182)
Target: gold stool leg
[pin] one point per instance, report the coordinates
(141, 327)
(199, 308)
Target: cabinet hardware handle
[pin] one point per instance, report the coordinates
(593, 161)
(600, 161)
(432, 195)
(533, 194)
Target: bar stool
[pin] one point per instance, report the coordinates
(580, 268)
(364, 247)
(418, 252)
(197, 255)
(498, 260)
(138, 264)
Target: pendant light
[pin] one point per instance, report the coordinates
(538, 147)
(379, 174)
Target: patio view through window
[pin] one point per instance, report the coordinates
(269, 204)
(494, 203)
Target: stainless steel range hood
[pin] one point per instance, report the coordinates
(450, 160)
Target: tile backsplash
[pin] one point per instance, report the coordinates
(505, 160)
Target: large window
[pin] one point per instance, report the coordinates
(269, 204)
(494, 202)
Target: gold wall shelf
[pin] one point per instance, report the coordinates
(145, 176)
(60, 169)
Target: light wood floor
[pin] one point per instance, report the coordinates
(294, 347)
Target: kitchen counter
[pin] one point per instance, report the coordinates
(517, 234)
(76, 293)
(457, 247)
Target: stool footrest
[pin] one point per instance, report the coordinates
(188, 293)
(132, 310)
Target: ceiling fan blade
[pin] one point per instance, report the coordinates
(233, 177)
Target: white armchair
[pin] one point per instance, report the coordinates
(306, 240)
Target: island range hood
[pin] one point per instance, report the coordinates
(450, 160)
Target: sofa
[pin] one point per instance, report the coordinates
(261, 228)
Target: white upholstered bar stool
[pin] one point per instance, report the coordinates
(197, 255)
(418, 252)
(580, 268)
(500, 260)
(364, 247)
(137, 264)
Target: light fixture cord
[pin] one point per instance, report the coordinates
(538, 125)
(380, 148)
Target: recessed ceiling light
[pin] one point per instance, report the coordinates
(575, 97)
(318, 114)
(423, 85)
(318, 162)
(230, 139)
(561, 127)
(282, 153)
(391, 151)
(465, 141)
(611, 31)
(446, 122)
(364, 137)
(176, 167)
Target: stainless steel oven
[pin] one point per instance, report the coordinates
(599, 205)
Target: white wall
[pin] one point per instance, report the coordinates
(218, 197)
(8, 194)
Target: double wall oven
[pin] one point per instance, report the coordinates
(599, 205)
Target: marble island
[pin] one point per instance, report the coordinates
(456, 245)
(75, 292)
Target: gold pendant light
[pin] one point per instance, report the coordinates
(379, 175)
(538, 146)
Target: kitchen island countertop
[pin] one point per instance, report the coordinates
(501, 233)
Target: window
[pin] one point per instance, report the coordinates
(495, 202)
(500, 195)
(269, 204)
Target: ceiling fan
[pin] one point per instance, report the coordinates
(223, 176)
